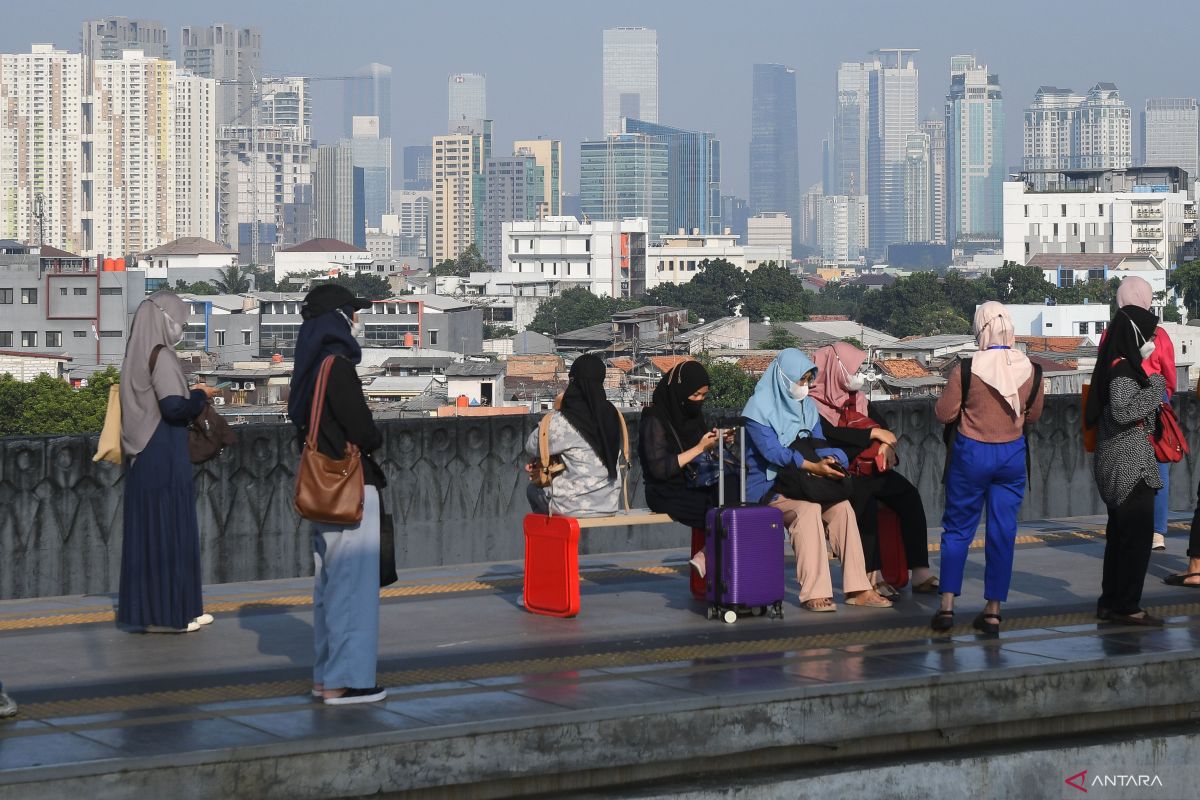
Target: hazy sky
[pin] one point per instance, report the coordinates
(542, 59)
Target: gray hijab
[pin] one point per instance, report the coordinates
(159, 320)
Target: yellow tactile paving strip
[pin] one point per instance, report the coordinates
(560, 667)
(100, 614)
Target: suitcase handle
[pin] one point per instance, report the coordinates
(721, 466)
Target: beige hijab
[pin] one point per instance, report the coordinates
(159, 320)
(1002, 369)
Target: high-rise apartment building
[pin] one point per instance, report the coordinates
(974, 152)
(843, 228)
(42, 167)
(851, 125)
(624, 176)
(107, 38)
(225, 53)
(548, 154)
(338, 195)
(1171, 134)
(413, 212)
(630, 76)
(774, 146)
(917, 227)
(195, 137)
(810, 216)
(286, 102)
(514, 191)
(892, 117)
(1068, 131)
(373, 155)
(467, 95)
(418, 168)
(368, 94)
(458, 189)
(693, 176)
(935, 129)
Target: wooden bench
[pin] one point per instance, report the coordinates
(552, 556)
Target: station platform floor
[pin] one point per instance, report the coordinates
(461, 657)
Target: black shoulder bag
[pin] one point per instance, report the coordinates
(951, 428)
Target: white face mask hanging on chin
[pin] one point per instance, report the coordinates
(356, 328)
(1147, 347)
(853, 382)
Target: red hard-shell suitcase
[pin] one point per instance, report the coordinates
(893, 561)
(744, 554)
(552, 565)
(698, 584)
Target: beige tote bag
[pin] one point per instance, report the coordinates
(109, 448)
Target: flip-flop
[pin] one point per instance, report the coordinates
(886, 590)
(1178, 580)
(854, 601)
(928, 586)
(818, 609)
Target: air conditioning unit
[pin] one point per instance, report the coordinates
(248, 386)
(235, 385)
(218, 401)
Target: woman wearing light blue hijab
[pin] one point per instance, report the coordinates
(779, 412)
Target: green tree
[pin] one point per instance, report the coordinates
(199, 287)
(717, 290)
(468, 261)
(234, 280)
(493, 330)
(729, 386)
(1014, 283)
(365, 284)
(773, 291)
(853, 341)
(780, 339)
(574, 309)
(1185, 280)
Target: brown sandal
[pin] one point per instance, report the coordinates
(808, 605)
(928, 586)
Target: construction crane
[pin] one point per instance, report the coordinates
(255, 105)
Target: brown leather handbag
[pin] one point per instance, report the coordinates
(328, 490)
(208, 434)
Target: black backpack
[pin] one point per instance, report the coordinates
(951, 428)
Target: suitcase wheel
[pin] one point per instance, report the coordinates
(730, 616)
(712, 612)
(775, 611)
(758, 611)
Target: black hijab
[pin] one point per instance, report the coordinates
(670, 401)
(1130, 327)
(589, 412)
(325, 332)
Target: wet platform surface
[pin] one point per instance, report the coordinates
(460, 655)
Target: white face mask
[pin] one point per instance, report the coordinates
(798, 391)
(853, 382)
(356, 328)
(1147, 348)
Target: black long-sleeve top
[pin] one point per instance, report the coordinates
(346, 418)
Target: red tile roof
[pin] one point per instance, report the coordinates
(1049, 366)
(902, 367)
(1052, 344)
(623, 364)
(322, 246)
(755, 364)
(665, 363)
(53, 252)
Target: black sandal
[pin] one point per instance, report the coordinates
(983, 624)
(1180, 580)
(942, 621)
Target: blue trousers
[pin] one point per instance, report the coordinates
(981, 472)
(1162, 499)
(346, 600)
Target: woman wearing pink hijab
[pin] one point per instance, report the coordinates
(987, 463)
(837, 389)
(1136, 291)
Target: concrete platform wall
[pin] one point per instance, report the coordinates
(456, 490)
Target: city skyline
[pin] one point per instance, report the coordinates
(697, 91)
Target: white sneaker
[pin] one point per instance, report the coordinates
(8, 706)
(699, 563)
(351, 696)
(204, 619)
(1160, 542)
(191, 628)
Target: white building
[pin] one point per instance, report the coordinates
(1141, 210)
(42, 91)
(411, 214)
(1171, 134)
(195, 156)
(843, 228)
(630, 77)
(1068, 131)
(467, 99)
(1067, 269)
(608, 257)
(1087, 319)
(769, 238)
(678, 258)
(918, 222)
(892, 117)
(324, 255)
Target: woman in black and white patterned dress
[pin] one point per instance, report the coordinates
(1123, 405)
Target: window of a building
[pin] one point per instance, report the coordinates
(81, 291)
(245, 337)
(62, 290)
(110, 334)
(79, 334)
(6, 339)
(111, 290)
(6, 297)
(53, 338)
(220, 338)
(433, 337)
(29, 297)
(28, 338)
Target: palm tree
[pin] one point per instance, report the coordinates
(234, 280)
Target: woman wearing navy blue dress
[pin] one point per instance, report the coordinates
(160, 555)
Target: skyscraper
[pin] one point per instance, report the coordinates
(338, 195)
(734, 215)
(774, 147)
(935, 129)
(43, 86)
(373, 155)
(693, 176)
(893, 116)
(974, 152)
(106, 38)
(467, 97)
(842, 236)
(917, 226)
(459, 189)
(194, 108)
(630, 76)
(1067, 131)
(851, 125)
(368, 94)
(548, 154)
(515, 186)
(225, 53)
(418, 168)
(1171, 134)
(624, 176)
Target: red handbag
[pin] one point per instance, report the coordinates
(1169, 444)
(870, 461)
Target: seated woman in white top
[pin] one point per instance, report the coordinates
(585, 432)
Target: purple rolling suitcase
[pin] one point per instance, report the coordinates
(744, 553)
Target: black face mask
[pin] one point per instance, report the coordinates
(692, 408)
